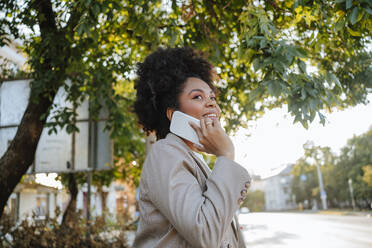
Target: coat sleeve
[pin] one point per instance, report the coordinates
(200, 217)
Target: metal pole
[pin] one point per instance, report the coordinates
(92, 161)
(89, 175)
(350, 181)
(88, 196)
(323, 194)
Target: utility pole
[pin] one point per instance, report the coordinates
(323, 194)
(350, 181)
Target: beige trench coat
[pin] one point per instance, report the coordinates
(183, 203)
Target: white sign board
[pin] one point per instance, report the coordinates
(59, 152)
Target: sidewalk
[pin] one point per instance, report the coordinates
(345, 212)
(340, 212)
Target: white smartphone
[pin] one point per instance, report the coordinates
(180, 126)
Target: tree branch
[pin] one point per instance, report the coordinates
(46, 17)
(73, 21)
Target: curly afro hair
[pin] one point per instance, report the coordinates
(160, 80)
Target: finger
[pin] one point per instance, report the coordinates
(217, 124)
(199, 148)
(208, 122)
(203, 127)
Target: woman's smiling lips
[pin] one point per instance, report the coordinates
(211, 115)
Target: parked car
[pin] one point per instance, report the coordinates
(244, 210)
(243, 218)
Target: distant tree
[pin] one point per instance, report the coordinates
(263, 51)
(255, 201)
(305, 183)
(353, 164)
(367, 175)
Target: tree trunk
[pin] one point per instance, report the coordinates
(103, 196)
(70, 213)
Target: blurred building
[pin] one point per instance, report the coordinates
(36, 201)
(277, 188)
(118, 200)
(257, 184)
(11, 53)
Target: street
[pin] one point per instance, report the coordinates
(274, 230)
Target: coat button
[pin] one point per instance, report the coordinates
(229, 246)
(244, 192)
(247, 184)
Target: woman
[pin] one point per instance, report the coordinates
(182, 202)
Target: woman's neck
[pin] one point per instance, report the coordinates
(189, 144)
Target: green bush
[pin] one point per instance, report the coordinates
(49, 233)
(255, 201)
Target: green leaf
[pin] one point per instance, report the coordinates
(354, 33)
(330, 77)
(289, 55)
(305, 124)
(263, 43)
(302, 66)
(297, 118)
(354, 16)
(340, 1)
(255, 93)
(256, 64)
(340, 25)
(349, 3)
(274, 88)
(173, 39)
(96, 9)
(322, 118)
(312, 116)
(69, 129)
(312, 105)
(278, 65)
(301, 52)
(369, 10)
(303, 94)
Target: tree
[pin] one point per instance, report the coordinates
(304, 181)
(367, 176)
(261, 49)
(353, 164)
(255, 201)
(305, 184)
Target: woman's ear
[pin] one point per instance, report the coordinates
(170, 113)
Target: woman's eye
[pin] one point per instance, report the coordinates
(213, 98)
(197, 97)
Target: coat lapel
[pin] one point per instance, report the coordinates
(207, 172)
(202, 166)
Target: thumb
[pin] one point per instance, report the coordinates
(199, 148)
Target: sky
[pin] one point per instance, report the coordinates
(275, 141)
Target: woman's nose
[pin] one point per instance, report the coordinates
(211, 103)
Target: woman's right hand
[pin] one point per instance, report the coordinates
(213, 138)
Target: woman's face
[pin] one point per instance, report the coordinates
(198, 100)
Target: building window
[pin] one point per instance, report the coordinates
(285, 190)
(41, 206)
